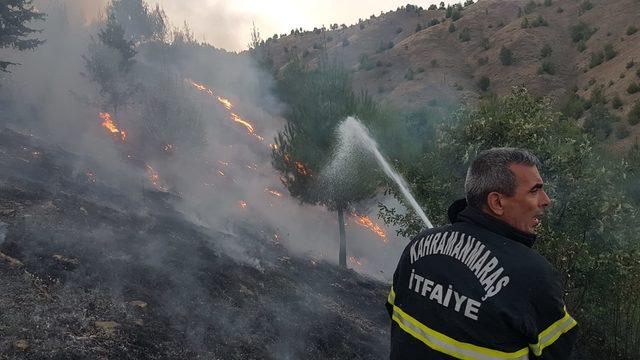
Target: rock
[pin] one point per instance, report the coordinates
(14, 263)
(139, 304)
(108, 326)
(66, 260)
(21, 345)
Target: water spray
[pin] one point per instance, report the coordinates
(353, 133)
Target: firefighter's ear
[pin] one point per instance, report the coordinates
(494, 203)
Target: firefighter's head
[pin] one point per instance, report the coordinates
(505, 183)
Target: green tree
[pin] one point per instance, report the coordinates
(506, 56)
(108, 63)
(484, 83)
(465, 35)
(318, 100)
(15, 16)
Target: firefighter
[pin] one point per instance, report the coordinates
(475, 289)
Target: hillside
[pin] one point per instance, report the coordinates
(405, 58)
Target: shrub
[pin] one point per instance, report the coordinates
(483, 61)
(419, 70)
(581, 32)
(548, 3)
(631, 30)
(573, 107)
(596, 59)
(634, 114)
(559, 10)
(586, 5)
(621, 131)
(539, 21)
(546, 67)
(434, 63)
(456, 13)
(465, 35)
(531, 5)
(408, 75)
(486, 45)
(582, 46)
(506, 56)
(609, 52)
(633, 88)
(484, 83)
(366, 63)
(630, 64)
(452, 27)
(418, 27)
(616, 102)
(434, 22)
(598, 123)
(638, 72)
(546, 51)
(525, 23)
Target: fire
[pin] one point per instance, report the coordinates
(303, 170)
(242, 203)
(224, 163)
(365, 221)
(253, 166)
(242, 122)
(169, 148)
(196, 85)
(225, 102)
(111, 126)
(273, 192)
(154, 177)
(273, 146)
(91, 177)
(354, 260)
(220, 173)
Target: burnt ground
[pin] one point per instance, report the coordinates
(88, 272)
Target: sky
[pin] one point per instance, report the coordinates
(227, 23)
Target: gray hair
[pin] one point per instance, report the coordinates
(490, 172)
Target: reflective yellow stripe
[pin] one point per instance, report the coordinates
(553, 332)
(447, 345)
(392, 297)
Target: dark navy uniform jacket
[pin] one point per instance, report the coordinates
(476, 290)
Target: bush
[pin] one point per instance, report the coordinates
(484, 83)
(616, 102)
(486, 45)
(586, 5)
(633, 88)
(539, 21)
(434, 22)
(465, 35)
(582, 46)
(634, 114)
(525, 23)
(621, 131)
(546, 51)
(418, 27)
(631, 30)
(598, 123)
(574, 106)
(638, 72)
(609, 52)
(596, 59)
(452, 27)
(581, 32)
(408, 75)
(531, 5)
(434, 63)
(366, 63)
(630, 64)
(546, 67)
(506, 56)
(548, 3)
(456, 13)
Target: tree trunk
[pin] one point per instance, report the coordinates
(343, 239)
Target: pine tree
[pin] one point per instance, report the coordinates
(14, 30)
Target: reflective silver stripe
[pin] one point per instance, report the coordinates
(553, 332)
(449, 346)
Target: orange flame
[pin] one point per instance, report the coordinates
(242, 122)
(273, 146)
(111, 126)
(225, 102)
(366, 222)
(355, 261)
(303, 170)
(273, 192)
(154, 178)
(242, 203)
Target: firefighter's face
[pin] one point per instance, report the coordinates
(524, 209)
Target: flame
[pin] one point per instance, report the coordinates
(355, 261)
(91, 176)
(111, 126)
(154, 177)
(196, 85)
(169, 148)
(225, 102)
(242, 203)
(273, 146)
(366, 222)
(242, 122)
(273, 192)
(260, 138)
(224, 163)
(220, 173)
(303, 170)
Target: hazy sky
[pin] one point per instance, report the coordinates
(227, 23)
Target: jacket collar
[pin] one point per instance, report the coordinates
(460, 212)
